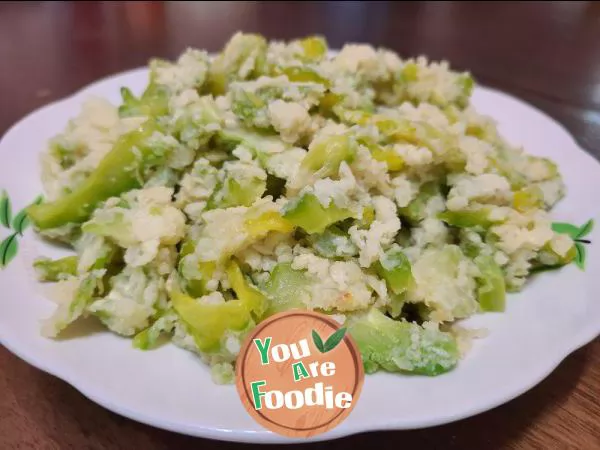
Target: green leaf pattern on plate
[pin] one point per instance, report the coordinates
(577, 234)
(10, 245)
(8, 250)
(580, 256)
(5, 210)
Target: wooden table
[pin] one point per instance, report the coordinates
(545, 53)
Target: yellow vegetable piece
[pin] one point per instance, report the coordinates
(249, 295)
(528, 198)
(207, 323)
(393, 160)
(314, 47)
(259, 227)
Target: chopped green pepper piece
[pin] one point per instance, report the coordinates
(307, 212)
(333, 243)
(147, 338)
(469, 218)
(154, 102)
(393, 160)
(304, 75)
(237, 194)
(491, 291)
(325, 155)
(394, 268)
(528, 198)
(314, 48)
(55, 270)
(415, 211)
(120, 171)
(548, 259)
(207, 323)
(228, 64)
(286, 288)
(255, 301)
(398, 346)
(258, 227)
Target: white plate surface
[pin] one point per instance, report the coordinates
(169, 388)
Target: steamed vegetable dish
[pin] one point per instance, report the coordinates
(274, 176)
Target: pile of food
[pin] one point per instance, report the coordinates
(275, 176)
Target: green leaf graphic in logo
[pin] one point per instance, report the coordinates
(331, 343)
(334, 340)
(5, 210)
(577, 234)
(8, 249)
(318, 341)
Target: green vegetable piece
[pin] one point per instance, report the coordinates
(223, 373)
(469, 218)
(68, 313)
(270, 221)
(491, 290)
(528, 198)
(191, 127)
(307, 212)
(410, 72)
(548, 259)
(248, 294)
(325, 155)
(333, 243)
(367, 219)
(196, 286)
(228, 65)
(304, 75)
(398, 346)
(396, 305)
(55, 270)
(466, 84)
(250, 108)
(394, 268)
(286, 289)
(390, 157)
(329, 104)
(415, 211)
(238, 194)
(207, 323)
(254, 141)
(314, 48)
(154, 102)
(148, 338)
(121, 170)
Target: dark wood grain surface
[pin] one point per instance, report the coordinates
(546, 53)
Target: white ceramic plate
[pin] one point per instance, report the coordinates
(170, 388)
